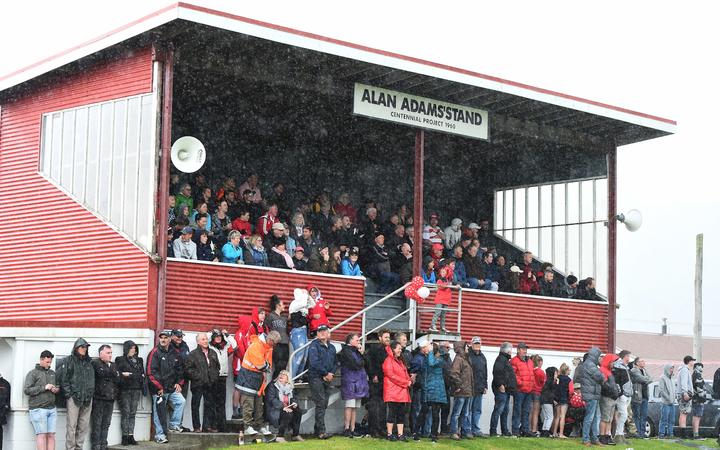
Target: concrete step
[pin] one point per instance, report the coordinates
(205, 440)
(152, 445)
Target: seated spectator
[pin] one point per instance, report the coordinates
(319, 313)
(266, 221)
(308, 241)
(232, 252)
(184, 247)
(354, 380)
(512, 282)
(296, 228)
(279, 258)
(337, 257)
(388, 228)
(323, 220)
(436, 253)
(234, 205)
(528, 279)
(453, 234)
(242, 223)
(492, 274)
(369, 226)
(184, 197)
(201, 224)
(321, 261)
(171, 208)
(221, 224)
(432, 233)
(428, 270)
(299, 259)
(586, 289)
(459, 272)
(248, 203)
(403, 263)
(344, 208)
(484, 234)
(501, 263)
(569, 287)
(395, 238)
(281, 409)
(252, 184)
(206, 197)
(349, 265)
(474, 268)
(206, 248)
(379, 266)
(277, 234)
(351, 233)
(260, 257)
(335, 236)
(201, 211)
(405, 215)
(410, 235)
(227, 187)
(290, 242)
(547, 285)
(183, 214)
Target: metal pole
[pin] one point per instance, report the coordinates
(418, 200)
(697, 327)
(612, 245)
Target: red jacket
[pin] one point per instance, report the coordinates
(243, 226)
(524, 374)
(443, 294)
(247, 326)
(528, 285)
(540, 378)
(319, 310)
(396, 379)
(346, 210)
(265, 223)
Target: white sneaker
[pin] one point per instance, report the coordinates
(265, 430)
(250, 430)
(280, 439)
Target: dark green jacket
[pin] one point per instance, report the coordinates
(78, 376)
(34, 388)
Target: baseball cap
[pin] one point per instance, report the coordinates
(474, 226)
(299, 249)
(522, 345)
(278, 226)
(178, 333)
(476, 340)
(323, 328)
(164, 333)
(688, 358)
(187, 230)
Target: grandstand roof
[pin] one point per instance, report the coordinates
(517, 105)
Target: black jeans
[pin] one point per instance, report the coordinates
(202, 393)
(320, 393)
(281, 353)
(219, 394)
(291, 421)
(376, 409)
(128, 401)
(100, 423)
(434, 409)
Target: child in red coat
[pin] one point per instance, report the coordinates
(442, 299)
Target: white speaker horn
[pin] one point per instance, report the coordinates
(632, 220)
(188, 154)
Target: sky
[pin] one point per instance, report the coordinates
(657, 57)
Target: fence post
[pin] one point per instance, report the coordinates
(459, 308)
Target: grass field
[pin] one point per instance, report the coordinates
(340, 443)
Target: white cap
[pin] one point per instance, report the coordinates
(422, 341)
(456, 221)
(474, 226)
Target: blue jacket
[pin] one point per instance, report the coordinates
(321, 359)
(260, 257)
(460, 275)
(348, 268)
(290, 245)
(231, 254)
(434, 381)
(430, 279)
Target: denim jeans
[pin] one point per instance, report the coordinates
(667, 420)
(640, 416)
(440, 312)
(591, 423)
(521, 412)
(298, 338)
(459, 419)
(500, 411)
(475, 413)
(160, 412)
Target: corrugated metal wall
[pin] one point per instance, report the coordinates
(540, 322)
(201, 296)
(59, 264)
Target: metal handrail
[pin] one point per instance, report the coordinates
(345, 322)
(459, 306)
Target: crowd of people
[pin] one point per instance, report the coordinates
(409, 390)
(239, 225)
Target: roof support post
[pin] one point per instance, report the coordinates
(612, 245)
(418, 199)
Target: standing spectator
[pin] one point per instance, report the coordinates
(376, 407)
(260, 257)
(184, 247)
(321, 370)
(350, 266)
(504, 384)
(242, 223)
(685, 390)
(442, 300)
(621, 372)
(281, 409)
(131, 383)
(165, 373)
(700, 396)
(433, 389)
(203, 369)
(528, 280)
(266, 221)
(591, 380)
(184, 197)
(299, 259)
(106, 390)
(640, 398)
(277, 320)
(610, 393)
(453, 234)
(547, 399)
(563, 390)
(251, 381)
(319, 312)
(396, 395)
(232, 252)
(666, 391)
(252, 185)
(40, 386)
(461, 387)
(432, 233)
(523, 367)
(344, 208)
(299, 310)
(354, 380)
(539, 379)
(78, 386)
(480, 384)
(223, 345)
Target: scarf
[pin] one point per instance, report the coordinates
(285, 392)
(288, 258)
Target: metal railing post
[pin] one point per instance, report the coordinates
(459, 308)
(362, 336)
